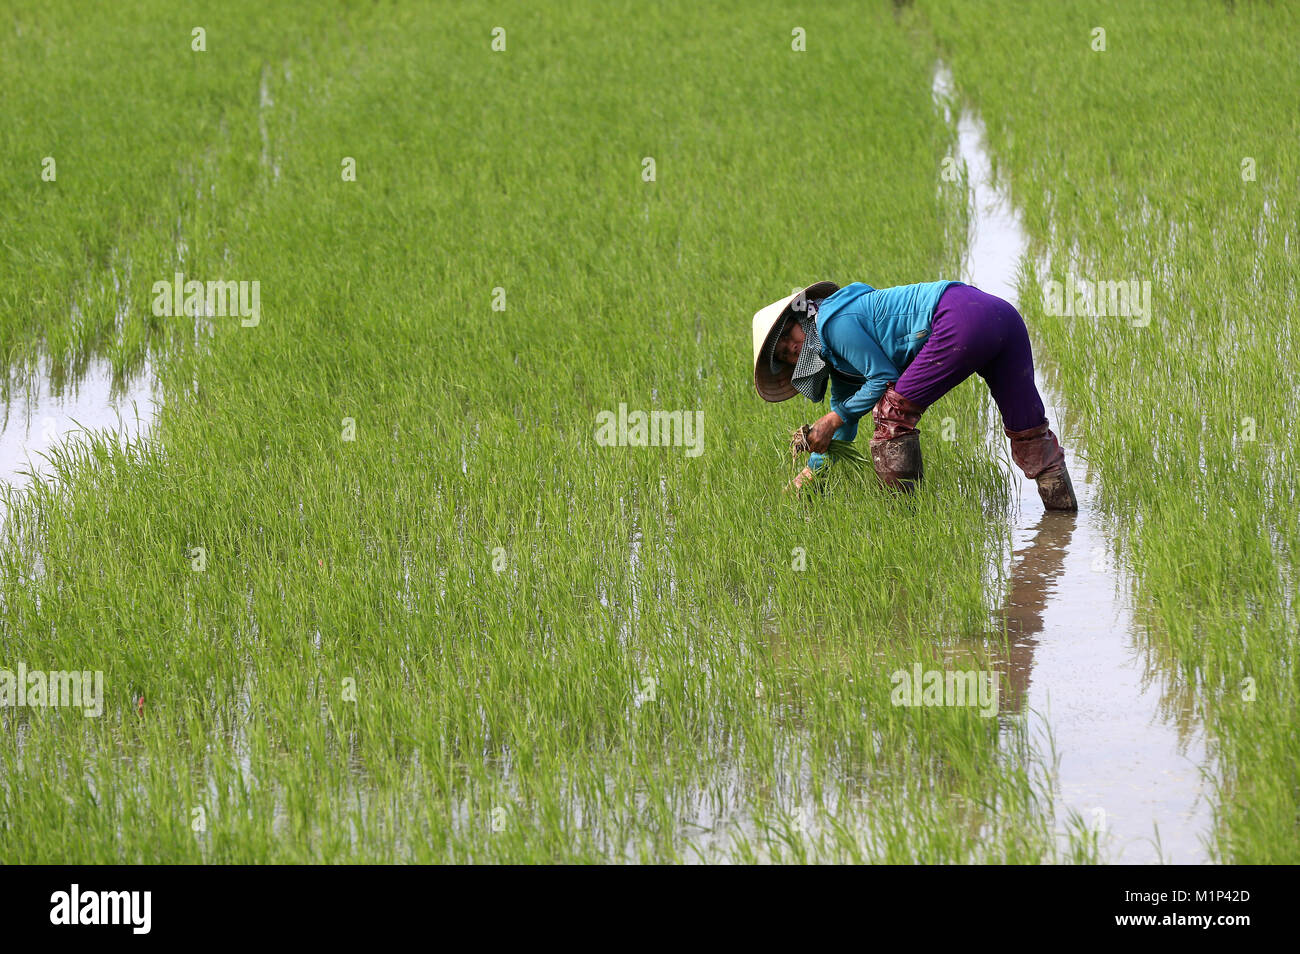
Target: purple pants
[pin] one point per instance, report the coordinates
(974, 332)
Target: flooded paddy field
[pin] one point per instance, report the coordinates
(365, 583)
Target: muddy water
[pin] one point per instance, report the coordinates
(1129, 762)
(49, 413)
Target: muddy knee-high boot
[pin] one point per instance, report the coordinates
(896, 444)
(1039, 454)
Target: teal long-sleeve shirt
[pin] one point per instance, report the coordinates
(874, 332)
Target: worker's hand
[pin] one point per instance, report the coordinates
(802, 478)
(819, 438)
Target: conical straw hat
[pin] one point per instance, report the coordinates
(769, 321)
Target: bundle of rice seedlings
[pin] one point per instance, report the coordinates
(846, 454)
(840, 452)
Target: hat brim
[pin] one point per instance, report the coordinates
(774, 386)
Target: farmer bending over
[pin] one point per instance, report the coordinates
(897, 351)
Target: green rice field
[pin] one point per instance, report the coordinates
(365, 583)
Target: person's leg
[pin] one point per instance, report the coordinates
(1010, 372)
(1010, 377)
(975, 332)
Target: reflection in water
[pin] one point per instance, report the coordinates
(1035, 568)
(58, 406)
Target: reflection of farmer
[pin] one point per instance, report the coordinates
(1035, 568)
(897, 351)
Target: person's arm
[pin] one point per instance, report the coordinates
(849, 335)
(845, 432)
(864, 399)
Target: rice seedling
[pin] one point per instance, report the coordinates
(838, 451)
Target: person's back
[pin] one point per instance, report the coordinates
(898, 319)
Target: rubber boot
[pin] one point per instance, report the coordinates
(896, 444)
(1039, 454)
